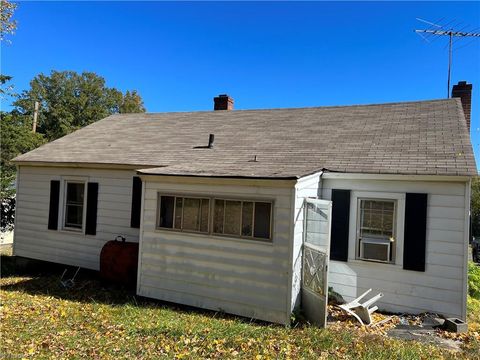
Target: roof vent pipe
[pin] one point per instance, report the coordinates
(211, 139)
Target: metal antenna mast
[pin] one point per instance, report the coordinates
(450, 33)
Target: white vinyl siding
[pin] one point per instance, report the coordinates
(218, 272)
(440, 288)
(33, 239)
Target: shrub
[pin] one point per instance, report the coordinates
(474, 280)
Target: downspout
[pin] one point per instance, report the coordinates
(466, 235)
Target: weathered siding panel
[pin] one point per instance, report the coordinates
(441, 287)
(244, 277)
(34, 240)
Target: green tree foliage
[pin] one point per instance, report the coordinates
(17, 138)
(70, 101)
(132, 103)
(7, 24)
(5, 88)
(475, 206)
(7, 27)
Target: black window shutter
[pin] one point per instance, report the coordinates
(53, 209)
(340, 224)
(92, 199)
(136, 202)
(414, 244)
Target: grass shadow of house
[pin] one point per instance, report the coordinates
(41, 278)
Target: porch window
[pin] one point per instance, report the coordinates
(376, 230)
(183, 213)
(74, 205)
(241, 218)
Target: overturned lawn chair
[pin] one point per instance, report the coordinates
(68, 283)
(362, 311)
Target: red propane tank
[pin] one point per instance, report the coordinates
(119, 262)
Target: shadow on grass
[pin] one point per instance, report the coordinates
(43, 278)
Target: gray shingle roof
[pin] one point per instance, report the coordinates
(424, 137)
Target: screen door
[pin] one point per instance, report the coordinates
(316, 252)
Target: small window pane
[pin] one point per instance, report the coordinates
(388, 224)
(388, 206)
(191, 214)
(262, 220)
(232, 217)
(178, 212)
(166, 211)
(75, 192)
(204, 215)
(247, 219)
(218, 216)
(74, 216)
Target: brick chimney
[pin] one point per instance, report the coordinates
(223, 102)
(464, 91)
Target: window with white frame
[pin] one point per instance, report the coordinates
(74, 206)
(237, 218)
(184, 213)
(376, 230)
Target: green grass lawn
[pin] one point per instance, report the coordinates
(40, 319)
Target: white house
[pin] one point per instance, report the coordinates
(217, 202)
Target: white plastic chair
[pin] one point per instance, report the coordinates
(362, 311)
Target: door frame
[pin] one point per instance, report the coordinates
(310, 299)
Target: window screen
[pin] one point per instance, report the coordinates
(184, 213)
(247, 219)
(166, 211)
(262, 220)
(237, 218)
(376, 218)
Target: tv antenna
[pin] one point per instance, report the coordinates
(439, 30)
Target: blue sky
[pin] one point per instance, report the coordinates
(265, 55)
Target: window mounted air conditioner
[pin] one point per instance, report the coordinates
(375, 249)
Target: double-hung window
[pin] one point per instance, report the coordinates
(74, 205)
(376, 230)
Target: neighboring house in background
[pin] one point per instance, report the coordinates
(220, 220)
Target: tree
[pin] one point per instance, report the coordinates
(475, 206)
(7, 24)
(17, 138)
(132, 103)
(7, 27)
(5, 90)
(70, 101)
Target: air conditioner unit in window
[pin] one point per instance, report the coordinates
(375, 249)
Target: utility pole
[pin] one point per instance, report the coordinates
(450, 33)
(35, 116)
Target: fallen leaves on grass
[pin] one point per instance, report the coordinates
(40, 319)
